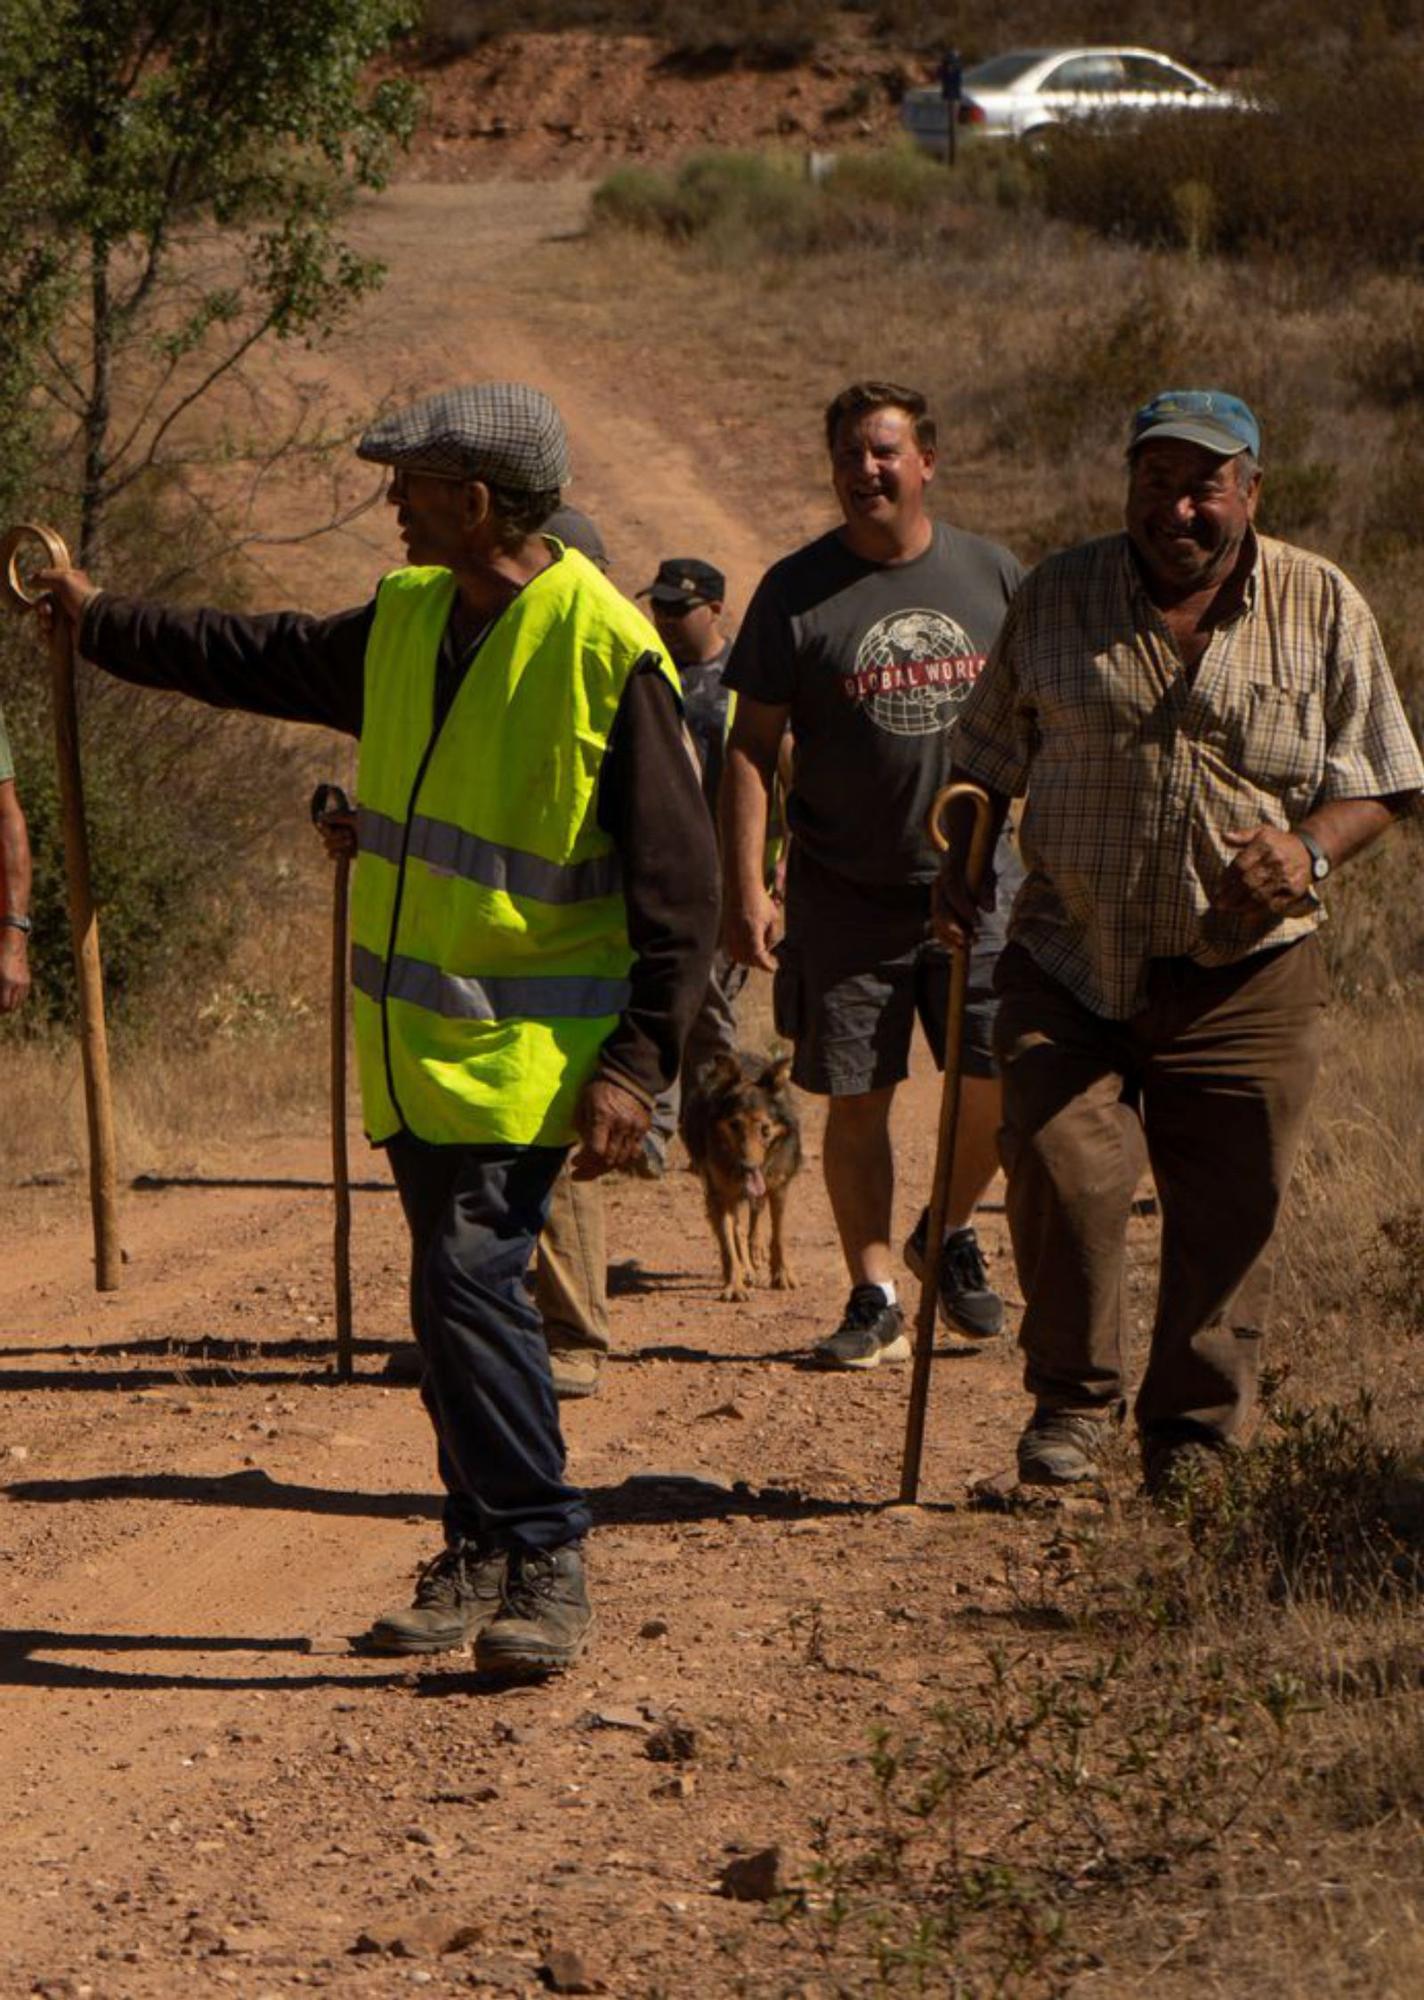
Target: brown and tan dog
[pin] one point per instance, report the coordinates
(744, 1139)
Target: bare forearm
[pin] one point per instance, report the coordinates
(1346, 827)
(14, 900)
(1271, 867)
(14, 857)
(743, 805)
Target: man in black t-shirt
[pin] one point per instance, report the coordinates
(865, 642)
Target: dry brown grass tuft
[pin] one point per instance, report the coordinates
(243, 1053)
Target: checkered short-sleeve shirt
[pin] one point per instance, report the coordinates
(1133, 773)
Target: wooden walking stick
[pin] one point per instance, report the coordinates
(83, 922)
(331, 799)
(978, 855)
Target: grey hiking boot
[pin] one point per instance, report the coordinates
(544, 1619)
(967, 1301)
(1060, 1449)
(871, 1331)
(456, 1595)
(575, 1371)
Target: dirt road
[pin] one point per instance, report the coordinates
(207, 1790)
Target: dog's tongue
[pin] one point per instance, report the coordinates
(756, 1183)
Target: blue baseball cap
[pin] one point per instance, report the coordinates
(1208, 417)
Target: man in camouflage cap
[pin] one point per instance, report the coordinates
(533, 914)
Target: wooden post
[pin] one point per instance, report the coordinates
(945, 1143)
(83, 921)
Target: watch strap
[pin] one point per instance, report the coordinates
(1319, 859)
(10, 921)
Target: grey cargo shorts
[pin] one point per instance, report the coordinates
(858, 965)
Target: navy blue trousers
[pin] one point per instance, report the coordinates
(475, 1213)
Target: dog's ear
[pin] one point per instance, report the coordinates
(718, 1073)
(776, 1075)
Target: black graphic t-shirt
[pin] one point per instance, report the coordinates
(873, 661)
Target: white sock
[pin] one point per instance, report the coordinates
(886, 1291)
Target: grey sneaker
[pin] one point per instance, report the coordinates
(1060, 1449)
(870, 1332)
(545, 1617)
(967, 1301)
(456, 1595)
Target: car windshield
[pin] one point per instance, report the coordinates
(1000, 71)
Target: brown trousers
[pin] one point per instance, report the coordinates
(1214, 1074)
(571, 1268)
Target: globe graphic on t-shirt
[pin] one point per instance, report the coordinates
(901, 665)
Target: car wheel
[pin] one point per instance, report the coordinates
(1036, 141)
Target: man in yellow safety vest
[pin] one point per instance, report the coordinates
(533, 916)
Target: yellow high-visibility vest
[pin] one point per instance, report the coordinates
(490, 950)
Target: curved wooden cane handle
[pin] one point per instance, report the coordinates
(12, 582)
(979, 834)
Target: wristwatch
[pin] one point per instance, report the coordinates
(1319, 859)
(10, 922)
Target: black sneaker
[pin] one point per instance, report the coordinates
(545, 1618)
(870, 1332)
(456, 1595)
(967, 1301)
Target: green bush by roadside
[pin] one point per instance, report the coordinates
(1327, 168)
(739, 206)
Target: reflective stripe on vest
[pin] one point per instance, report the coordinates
(449, 850)
(570, 998)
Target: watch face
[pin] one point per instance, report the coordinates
(1320, 868)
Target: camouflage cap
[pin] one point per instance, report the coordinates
(505, 432)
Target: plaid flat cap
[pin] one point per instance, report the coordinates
(505, 432)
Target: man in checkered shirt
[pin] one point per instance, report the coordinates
(1205, 726)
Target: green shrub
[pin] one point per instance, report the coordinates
(1394, 1272)
(902, 178)
(1328, 168)
(735, 205)
(1308, 1513)
(1116, 1771)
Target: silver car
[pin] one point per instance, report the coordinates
(1022, 94)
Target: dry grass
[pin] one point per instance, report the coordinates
(242, 1055)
